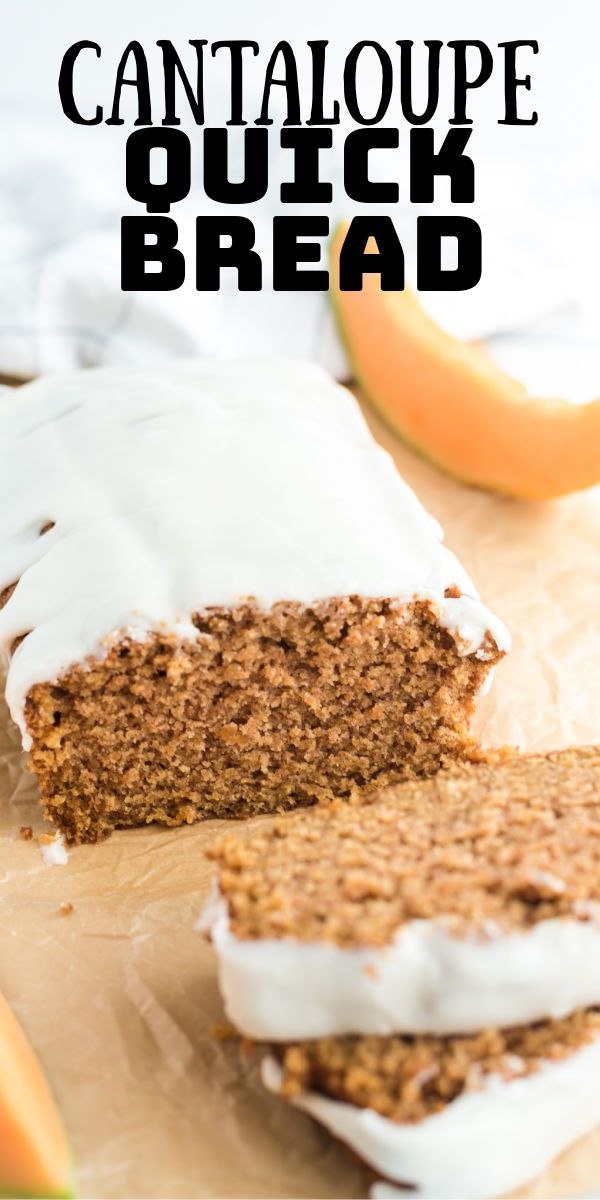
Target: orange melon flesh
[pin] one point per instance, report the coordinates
(451, 402)
(34, 1153)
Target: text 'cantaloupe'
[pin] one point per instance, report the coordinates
(449, 400)
(34, 1153)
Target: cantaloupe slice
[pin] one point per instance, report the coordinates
(450, 401)
(34, 1153)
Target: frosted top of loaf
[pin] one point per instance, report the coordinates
(175, 488)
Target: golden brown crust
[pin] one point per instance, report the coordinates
(267, 710)
(510, 842)
(409, 1078)
(6, 593)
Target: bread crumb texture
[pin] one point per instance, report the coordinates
(487, 846)
(409, 1078)
(265, 711)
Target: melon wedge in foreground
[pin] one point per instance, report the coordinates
(449, 400)
(34, 1154)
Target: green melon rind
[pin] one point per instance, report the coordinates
(69, 1192)
(18, 1195)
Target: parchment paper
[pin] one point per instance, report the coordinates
(119, 997)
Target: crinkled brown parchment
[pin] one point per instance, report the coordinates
(119, 996)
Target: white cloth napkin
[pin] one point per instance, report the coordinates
(62, 194)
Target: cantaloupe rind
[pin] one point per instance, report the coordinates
(451, 403)
(35, 1159)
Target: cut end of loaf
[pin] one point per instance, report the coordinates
(266, 710)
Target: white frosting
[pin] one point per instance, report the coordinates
(483, 1144)
(199, 484)
(426, 981)
(54, 853)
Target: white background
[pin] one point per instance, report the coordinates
(62, 188)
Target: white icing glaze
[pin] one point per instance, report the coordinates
(426, 981)
(54, 853)
(483, 1144)
(199, 484)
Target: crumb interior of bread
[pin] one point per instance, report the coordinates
(409, 1078)
(266, 710)
(485, 847)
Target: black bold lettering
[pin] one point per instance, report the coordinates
(173, 68)
(450, 160)
(511, 83)
(387, 82)
(158, 197)
(141, 83)
(357, 184)
(136, 252)
(211, 256)
(387, 260)
(462, 84)
(306, 187)
(431, 276)
(288, 252)
(236, 49)
(255, 181)
(289, 82)
(406, 84)
(65, 84)
(317, 116)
